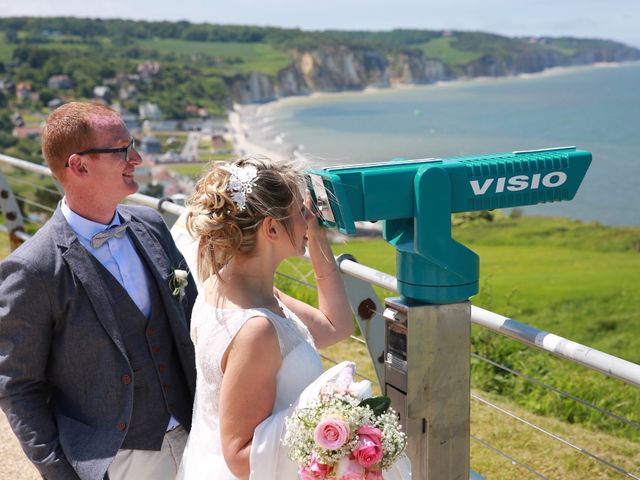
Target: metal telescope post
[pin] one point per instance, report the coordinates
(427, 328)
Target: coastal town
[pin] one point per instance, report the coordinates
(174, 151)
(171, 149)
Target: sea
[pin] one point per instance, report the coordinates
(595, 108)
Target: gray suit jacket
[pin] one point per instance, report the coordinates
(61, 354)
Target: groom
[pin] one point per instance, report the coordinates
(97, 370)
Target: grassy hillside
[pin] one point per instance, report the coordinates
(444, 49)
(577, 280)
(232, 57)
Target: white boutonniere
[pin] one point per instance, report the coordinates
(179, 282)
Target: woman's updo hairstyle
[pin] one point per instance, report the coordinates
(221, 227)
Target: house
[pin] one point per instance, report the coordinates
(143, 175)
(214, 125)
(149, 111)
(27, 132)
(54, 103)
(7, 86)
(151, 145)
(59, 82)
(131, 121)
(147, 70)
(162, 125)
(127, 92)
(192, 125)
(102, 92)
(219, 144)
(17, 119)
(23, 91)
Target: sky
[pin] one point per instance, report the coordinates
(609, 19)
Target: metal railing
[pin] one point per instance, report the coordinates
(360, 279)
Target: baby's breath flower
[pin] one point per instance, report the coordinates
(340, 403)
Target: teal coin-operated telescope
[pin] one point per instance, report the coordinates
(415, 199)
(427, 331)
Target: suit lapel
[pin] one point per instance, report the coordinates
(159, 265)
(84, 268)
(153, 253)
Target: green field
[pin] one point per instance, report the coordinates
(193, 170)
(240, 57)
(6, 49)
(576, 280)
(442, 49)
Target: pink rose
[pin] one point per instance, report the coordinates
(331, 433)
(315, 470)
(305, 474)
(349, 469)
(371, 431)
(318, 469)
(368, 451)
(373, 475)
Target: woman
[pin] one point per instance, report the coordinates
(255, 346)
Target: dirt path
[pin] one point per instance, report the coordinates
(13, 463)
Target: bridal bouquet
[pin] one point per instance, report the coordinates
(343, 435)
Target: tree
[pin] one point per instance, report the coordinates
(6, 124)
(7, 140)
(34, 57)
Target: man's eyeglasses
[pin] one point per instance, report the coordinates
(126, 150)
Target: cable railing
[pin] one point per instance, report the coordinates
(628, 374)
(555, 437)
(513, 461)
(528, 335)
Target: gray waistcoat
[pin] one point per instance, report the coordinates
(159, 389)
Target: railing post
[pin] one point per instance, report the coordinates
(427, 377)
(12, 215)
(366, 308)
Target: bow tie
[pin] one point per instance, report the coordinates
(116, 231)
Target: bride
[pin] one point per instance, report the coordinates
(255, 346)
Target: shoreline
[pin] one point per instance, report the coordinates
(548, 72)
(251, 133)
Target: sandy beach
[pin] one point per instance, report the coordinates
(250, 136)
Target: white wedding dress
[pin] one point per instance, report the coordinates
(298, 382)
(212, 330)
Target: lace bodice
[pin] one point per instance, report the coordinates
(212, 330)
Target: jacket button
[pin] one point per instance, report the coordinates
(126, 379)
(151, 332)
(155, 349)
(161, 368)
(121, 426)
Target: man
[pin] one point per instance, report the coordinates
(97, 370)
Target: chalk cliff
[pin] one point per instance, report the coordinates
(342, 68)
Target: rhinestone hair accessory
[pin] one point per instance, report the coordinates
(241, 183)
